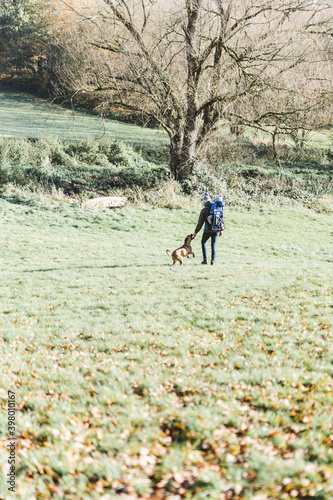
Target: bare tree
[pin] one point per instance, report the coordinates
(190, 63)
(300, 99)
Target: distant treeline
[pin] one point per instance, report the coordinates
(39, 52)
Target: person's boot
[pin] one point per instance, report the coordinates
(212, 263)
(204, 261)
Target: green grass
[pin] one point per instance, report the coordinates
(317, 139)
(137, 380)
(24, 115)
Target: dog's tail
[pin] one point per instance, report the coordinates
(168, 252)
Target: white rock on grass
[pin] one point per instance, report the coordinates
(106, 202)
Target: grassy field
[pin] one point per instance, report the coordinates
(24, 115)
(317, 139)
(137, 380)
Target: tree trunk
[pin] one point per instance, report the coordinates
(274, 137)
(183, 153)
(175, 158)
(181, 163)
(183, 160)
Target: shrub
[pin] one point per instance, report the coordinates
(155, 154)
(90, 168)
(76, 167)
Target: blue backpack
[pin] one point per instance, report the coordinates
(214, 220)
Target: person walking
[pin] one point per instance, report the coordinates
(212, 216)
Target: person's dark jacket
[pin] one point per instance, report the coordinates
(202, 219)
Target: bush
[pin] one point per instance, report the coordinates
(203, 180)
(91, 168)
(155, 154)
(76, 167)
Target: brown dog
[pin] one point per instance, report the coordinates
(184, 251)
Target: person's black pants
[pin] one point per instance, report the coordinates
(205, 238)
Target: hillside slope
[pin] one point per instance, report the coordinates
(24, 115)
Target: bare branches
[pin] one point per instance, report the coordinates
(130, 27)
(187, 63)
